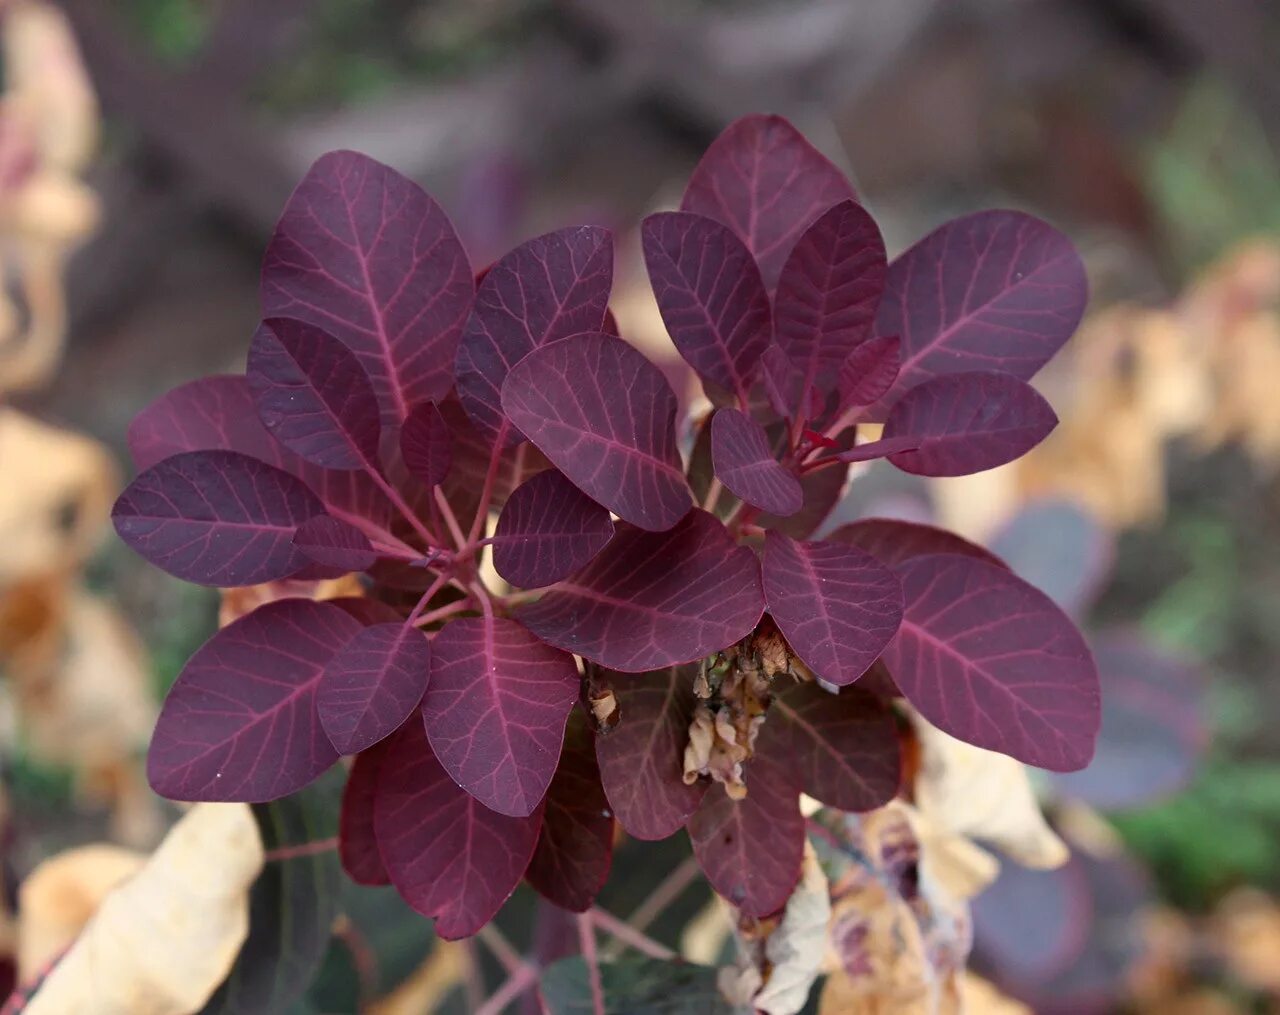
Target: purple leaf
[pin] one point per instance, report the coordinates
(367, 612)
(1060, 548)
(448, 855)
(367, 255)
(371, 686)
(312, 395)
(216, 518)
(605, 416)
(869, 372)
(751, 850)
(712, 299)
(992, 661)
(495, 710)
(547, 530)
(1153, 727)
(334, 543)
(836, 605)
(547, 289)
(575, 847)
(357, 845)
(471, 454)
(844, 745)
(642, 758)
(782, 381)
(650, 600)
(426, 444)
(240, 723)
(828, 293)
(883, 448)
(766, 182)
(997, 290)
(894, 542)
(968, 423)
(745, 463)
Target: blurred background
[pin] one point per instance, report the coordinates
(146, 147)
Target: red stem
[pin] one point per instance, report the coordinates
(435, 587)
(301, 849)
(587, 938)
(628, 935)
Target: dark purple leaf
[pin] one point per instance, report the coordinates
(764, 180)
(471, 454)
(332, 542)
(746, 465)
(782, 381)
(371, 686)
(216, 518)
(836, 605)
(547, 289)
(495, 710)
(1060, 548)
(357, 845)
(313, 396)
(894, 542)
(751, 850)
(997, 290)
(650, 600)
(882, 448)
(711, 297)
(869, 372)
(828, 293)
(449, 856)
(967, 423)
(844, 745)
(547, 530)
(642, 758)
(575, 847)
(426, 444)
(367, 611)
(367, 255)
(1153, 727)
(605, 416)
(992, 661)
(240, 723)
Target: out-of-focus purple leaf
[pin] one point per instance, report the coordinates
(334, 543)
(837, 606)
(869, 371)
(745, 463)
(240, 723)
(882, 448)
(216, 518)
(828, 293)
(1153, 729)
(372, 685)
(1060, 548)
(605, 416)
(991, 660)
(650, 600)
(426, 444)
(762, 178)
(357, 844)
(367, 255)
(313, 396)
(495, 710)
(751, 849)
(449, 856)
(546, 289)
(575, 847)
(894, 542)
(996, 290)
(967, 423)
(642, 758)
(547, 530)
(711, 297)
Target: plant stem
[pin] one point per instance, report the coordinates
(301, 849)
(435, 587)
(490, 476)
(450, 519)
(713, 494)
(516, 984)
(670, 889)
(410, 515)
(448, 610)
(627, 934)
(503, 950)
(587, 938)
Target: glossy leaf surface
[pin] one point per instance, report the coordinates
(364, 253)
(240, 722)
(650, 600)
(495, 710)
(837, 606)
(605, 416)
(371, 686)
(216, 518)
(992, 661)
(547, 530)
(426, 444)
(746, 465)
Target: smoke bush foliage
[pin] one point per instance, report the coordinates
(663, 664)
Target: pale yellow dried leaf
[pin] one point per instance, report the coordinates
(162, 942)
(1246, 936)
(979, 997)
(238, 602)
(429, 984)
(794, 951)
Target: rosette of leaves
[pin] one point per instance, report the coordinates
(394, 400)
